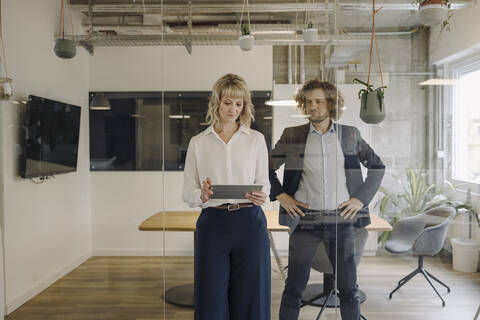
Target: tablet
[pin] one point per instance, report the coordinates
(233, 191)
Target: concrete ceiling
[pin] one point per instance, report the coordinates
(351, 15)
(138, 22)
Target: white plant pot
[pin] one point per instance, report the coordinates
(310, 35)
(246, 42)
(465, 254)
(433, 14)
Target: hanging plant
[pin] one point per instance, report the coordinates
(246, 40)
(310, 34)
(5, 82)
(65, 48)
(434, 12)
(372, 108)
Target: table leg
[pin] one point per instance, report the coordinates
(477, 314)
(277, 256)
(183, 295)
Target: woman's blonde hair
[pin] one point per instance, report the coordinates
(234, 86)
(333, 96)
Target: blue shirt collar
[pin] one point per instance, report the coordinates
(331, 129)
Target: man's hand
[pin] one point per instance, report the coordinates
(291, 205)
(206, 190)
(350, 208)
(258, 198)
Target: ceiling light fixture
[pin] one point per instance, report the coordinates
(179, 116)
(100, 102)
(439, 82)
(281, 103)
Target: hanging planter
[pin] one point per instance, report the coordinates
(246, 40)
(5, 82)
(5, 89)
(372, 107)
(433, 12)
(65, 48)
(310, 34)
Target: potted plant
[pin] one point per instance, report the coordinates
(5, 88)
(434, 12)
(372, 109)
(415, 197)
(246, 40)
(465, 250)
(64, 48)
(310, 34)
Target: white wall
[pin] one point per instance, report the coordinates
(122, 200)
(47, 227)
(463, 38)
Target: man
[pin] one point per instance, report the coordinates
(323, 181)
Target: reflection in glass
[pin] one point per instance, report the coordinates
(129, 136)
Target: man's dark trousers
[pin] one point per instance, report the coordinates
(339, 242)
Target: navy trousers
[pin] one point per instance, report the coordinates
(232, 265)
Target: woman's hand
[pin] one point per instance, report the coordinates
(206, 190)
(258, 198)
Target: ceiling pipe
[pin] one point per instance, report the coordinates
(138, 19)
(289, 64)
(302, 63)
(90, 16)
(178, 9)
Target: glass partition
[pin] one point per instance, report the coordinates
(366, 148)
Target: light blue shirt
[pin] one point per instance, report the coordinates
(323, 185)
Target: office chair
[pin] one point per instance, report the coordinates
(326, 295)
(421, 235)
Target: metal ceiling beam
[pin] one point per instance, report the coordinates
(232, 30)
(180, 40)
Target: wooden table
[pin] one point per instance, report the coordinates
(187, 220)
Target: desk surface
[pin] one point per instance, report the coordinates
(186, 221)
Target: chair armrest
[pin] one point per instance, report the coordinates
(431, 240)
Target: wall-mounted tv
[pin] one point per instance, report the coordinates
(50, 138)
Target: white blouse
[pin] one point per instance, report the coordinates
(243, 160)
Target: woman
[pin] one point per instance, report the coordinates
(232, 254)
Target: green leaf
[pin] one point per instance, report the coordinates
(245, 29)
(384, 203)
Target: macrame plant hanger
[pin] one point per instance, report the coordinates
(65, 48)
(373, 37)
(5, 86)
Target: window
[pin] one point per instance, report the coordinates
(138, 134)
(466, 124)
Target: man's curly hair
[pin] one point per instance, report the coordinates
(333, 96)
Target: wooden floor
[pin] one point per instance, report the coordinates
(131, 288)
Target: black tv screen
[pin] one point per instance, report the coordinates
(51, 131)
